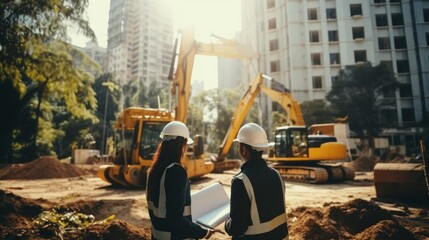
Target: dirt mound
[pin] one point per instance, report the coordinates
(363, 164)
(17, 215)
(42, 168)
(18, 212)
(357, 219)
(385, 229)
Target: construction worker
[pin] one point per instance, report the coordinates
(168, 192)
(257, 192)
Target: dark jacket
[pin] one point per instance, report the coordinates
(268, 190)
(178, 198)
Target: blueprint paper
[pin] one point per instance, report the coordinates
(210, 206)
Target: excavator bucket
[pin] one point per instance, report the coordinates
(404, 181)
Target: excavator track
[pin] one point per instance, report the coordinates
(123, 175)
(315, 174)
(229, 164)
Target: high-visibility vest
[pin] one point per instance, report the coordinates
(259, 227)
(161, 210)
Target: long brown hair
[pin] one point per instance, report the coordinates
(168, 152)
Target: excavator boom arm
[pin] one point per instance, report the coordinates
(185, 61)
(284, 98)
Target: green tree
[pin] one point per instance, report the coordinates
(76, 131)
(279, 119)
(38, 68)
(155, 92)
(195, 115)
(318, 111)
(134, 94)
(225, 102)
(360, 94)
(107, 111)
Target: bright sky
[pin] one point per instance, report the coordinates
(219, 17)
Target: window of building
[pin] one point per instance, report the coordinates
(360, 56)
(333, 36)
(395, 1)
(405, 90)
(427, 38)
(271, 3)
(274, 45)
(275, 66)
(400, 42)
(408, 115)
(403, 66)
(314, 36)
(383, 43)
(312, 14)
(355, 10)
(358, 32)
(397, 19)
(334, 58)
(379, 1)
(317, 82)
(331, 13)
(381, 20)
(272, 24)
(316, 59)
(334, 79)
(426, 14)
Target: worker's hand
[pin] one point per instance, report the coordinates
(211, 232)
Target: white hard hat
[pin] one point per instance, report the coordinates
(253, 135)
(174, 129)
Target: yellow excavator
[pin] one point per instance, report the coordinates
(139, 128)
(297, 155)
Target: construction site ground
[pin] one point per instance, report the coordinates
(348, 210)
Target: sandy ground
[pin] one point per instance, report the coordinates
(101, 200)
(130, 205)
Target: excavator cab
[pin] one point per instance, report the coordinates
(140, 143)
(291, 142)
(150, 139)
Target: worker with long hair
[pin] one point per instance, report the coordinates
(168, 191)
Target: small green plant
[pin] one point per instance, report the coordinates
(60, 220)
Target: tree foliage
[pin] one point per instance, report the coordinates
(360, 94)
(134, 94)
(41, 72)
(79, 133)
(224, 103)
(318, 111)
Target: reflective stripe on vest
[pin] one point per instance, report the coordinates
(258, 227)
(161, 210)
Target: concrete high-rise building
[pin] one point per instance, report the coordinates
(229, 72)
(305, 43)
(140, 41)
(97, 53)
